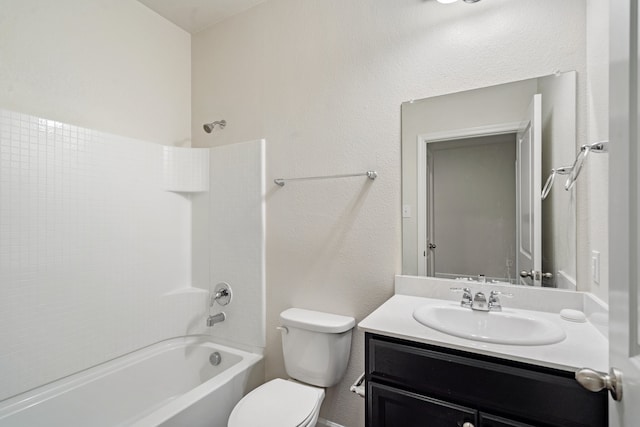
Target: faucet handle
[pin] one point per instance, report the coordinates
(466, 296)
(494, 301)
(222, 294)
(494, 294)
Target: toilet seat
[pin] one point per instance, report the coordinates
(278, 403)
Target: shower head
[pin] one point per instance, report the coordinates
(208, 127)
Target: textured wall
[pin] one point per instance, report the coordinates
(109, 65)
(323, 81)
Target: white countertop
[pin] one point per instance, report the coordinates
(583, 347)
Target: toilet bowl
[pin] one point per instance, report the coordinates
(279, 403)
(316, 349)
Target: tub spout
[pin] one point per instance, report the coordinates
(216, 318)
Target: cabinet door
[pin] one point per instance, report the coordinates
(487, 420)
(541, 396)
(391, 407)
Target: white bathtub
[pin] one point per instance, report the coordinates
(170, 383)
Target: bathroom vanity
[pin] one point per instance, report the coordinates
(420, 376)
(414, 384)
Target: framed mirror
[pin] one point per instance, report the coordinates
(474, 167)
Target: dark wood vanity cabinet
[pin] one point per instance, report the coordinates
(411, 384)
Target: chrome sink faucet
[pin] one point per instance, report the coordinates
(479, 301)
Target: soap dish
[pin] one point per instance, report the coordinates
(573, 315)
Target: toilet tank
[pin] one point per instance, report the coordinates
(316, 345)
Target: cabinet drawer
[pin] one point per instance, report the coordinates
(544, 396)
(493, 421)
(390, 407)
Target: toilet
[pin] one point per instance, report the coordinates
(316, 350)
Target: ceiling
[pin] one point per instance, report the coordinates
(196, 15)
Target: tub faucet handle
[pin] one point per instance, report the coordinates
(222, 294)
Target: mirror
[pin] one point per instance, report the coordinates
(474, 165)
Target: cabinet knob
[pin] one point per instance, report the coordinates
(467, 424)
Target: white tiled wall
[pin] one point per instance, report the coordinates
(185, 169)
(229, 241)
(89, 244)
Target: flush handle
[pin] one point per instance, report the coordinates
(596, 381)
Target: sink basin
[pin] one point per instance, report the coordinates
(495, 327)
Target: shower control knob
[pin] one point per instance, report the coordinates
(222, 294)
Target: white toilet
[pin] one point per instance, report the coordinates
(316, 350)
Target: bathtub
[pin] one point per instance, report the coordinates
(171, 383)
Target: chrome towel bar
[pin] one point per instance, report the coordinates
(596, 147)
(369, 174)
(573, 171)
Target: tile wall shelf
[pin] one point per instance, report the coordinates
(185, 169)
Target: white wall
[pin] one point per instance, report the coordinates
(323, 81)
(114, 66)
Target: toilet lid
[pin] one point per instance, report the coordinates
(277, 403)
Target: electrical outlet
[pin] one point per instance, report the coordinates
(406, 211)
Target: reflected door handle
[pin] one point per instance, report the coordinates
(536, 274)
(431, 246)
(525, 273)
(595, 381)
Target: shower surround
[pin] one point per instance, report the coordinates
(95, 255)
